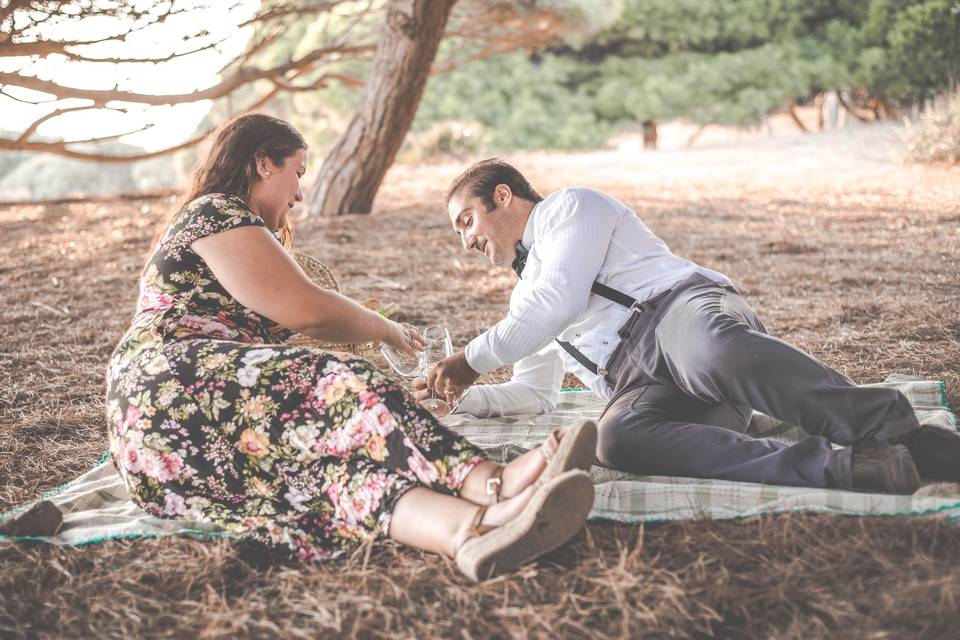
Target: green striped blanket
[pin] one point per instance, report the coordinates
(96, 505)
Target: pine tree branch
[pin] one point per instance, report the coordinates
(242, 76)
(4, 91)
(25, 136)
(10, 47)
(61, 147)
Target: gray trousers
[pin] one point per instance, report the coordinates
(693, 365)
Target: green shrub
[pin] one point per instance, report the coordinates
(935, 135)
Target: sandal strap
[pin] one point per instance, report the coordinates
(477, 528)
(549, 447)
(495, 484)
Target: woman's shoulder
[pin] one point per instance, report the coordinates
(218, 203)
(206, 215)
(218, 211)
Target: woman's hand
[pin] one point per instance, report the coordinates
(403, 337)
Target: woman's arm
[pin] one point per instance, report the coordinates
(255, 269)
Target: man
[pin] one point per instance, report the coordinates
(680, 357)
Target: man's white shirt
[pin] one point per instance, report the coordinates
(575, 237)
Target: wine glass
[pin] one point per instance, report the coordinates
(407, 366)
(437, 347)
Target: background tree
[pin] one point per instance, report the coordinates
(910, 51)
(32, 30)
(607, 65)
(338, 41)
(354, 168)
(730, 62)
(407, 46)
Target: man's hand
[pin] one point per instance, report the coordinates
(451, 377)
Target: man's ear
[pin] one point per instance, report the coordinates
(503, 195)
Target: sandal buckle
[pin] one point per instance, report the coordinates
(493, 486)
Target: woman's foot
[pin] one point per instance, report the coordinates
(575, 448)
(565, 449)
(551, 514)
(494, 515)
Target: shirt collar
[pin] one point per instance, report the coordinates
(521, 248)
(528, 231)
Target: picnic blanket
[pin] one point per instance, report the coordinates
(96, 506)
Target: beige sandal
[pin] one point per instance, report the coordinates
(575, 450)
(556, 512)
(494, 484)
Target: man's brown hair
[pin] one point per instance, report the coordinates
(482, 178)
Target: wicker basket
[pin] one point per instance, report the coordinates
(323, 277)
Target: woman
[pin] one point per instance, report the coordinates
(212, 417)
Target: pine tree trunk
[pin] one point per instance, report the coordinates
(649, 134)
(818, 103)
(792, 112)
(696, 135)
(848, 107)
(355, 167)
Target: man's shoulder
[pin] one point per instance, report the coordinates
(570, 200)
(577, 193)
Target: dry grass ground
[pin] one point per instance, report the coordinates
(843, 252)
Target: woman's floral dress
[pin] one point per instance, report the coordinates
(213, 418)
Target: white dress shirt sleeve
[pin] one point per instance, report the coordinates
(571, 241)
(534, 388)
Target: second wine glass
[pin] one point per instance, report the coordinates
(438, 347)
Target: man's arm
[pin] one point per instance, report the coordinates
(533, 389)
(572, 245)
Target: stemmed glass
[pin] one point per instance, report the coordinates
(437, 347)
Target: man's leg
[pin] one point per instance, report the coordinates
(729, 416)
(715, 349)
(646, 429)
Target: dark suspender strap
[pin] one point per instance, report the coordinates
(620, 298)
(579, 357)
(609, 293)
(600, 289)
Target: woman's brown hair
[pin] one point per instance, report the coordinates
(230, 166)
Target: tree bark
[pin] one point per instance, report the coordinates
(696, 135)
(848, 107)
(355, 167)
(649, 134)
(818, 103)
(792, 112)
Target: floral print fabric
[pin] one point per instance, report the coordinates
(213, 418)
